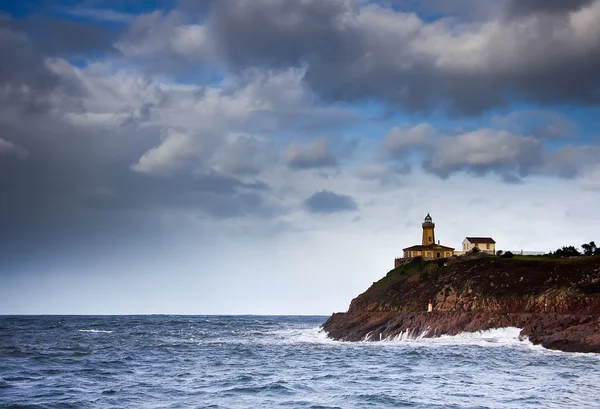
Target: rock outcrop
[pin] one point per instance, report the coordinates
(556, 302)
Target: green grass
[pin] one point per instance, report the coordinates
(402, 273)
(554, 259)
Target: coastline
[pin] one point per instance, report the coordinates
(555, 302)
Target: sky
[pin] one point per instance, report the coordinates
(274, 157)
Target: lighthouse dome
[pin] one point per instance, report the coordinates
(428, 218)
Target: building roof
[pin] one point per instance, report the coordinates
(481, 240)
(430, 247)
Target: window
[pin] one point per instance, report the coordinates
(488, 246)
(429, 254)
(430, 239)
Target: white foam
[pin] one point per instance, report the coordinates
(498, 337)
(303, 335)
(102, 331)
(492, 337)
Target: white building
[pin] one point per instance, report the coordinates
(485, 244)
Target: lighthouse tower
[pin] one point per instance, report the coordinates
(428, 231)
(429, 249)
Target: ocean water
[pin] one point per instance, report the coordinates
(275, 362)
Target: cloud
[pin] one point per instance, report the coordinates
(244, 156)
(529, 7)
(568, 161)
(176, 150)
(401, 141)
(25, 78)
(483, 151)
(315, 154)
(589, 177)
(9, 148)
(384, 173)
(122, 156)
(101, 14)
(363, 51)
(325, 201)
(62, 37)
(166, 35)
(185, 129)
(462, 9)
(539, 123)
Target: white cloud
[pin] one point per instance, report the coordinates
(504, 46)
(173, 152)
(401, 141)
(485, 150)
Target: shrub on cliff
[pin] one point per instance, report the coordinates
(590, 249)
(567, 251)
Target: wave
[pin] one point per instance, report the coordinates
(100, 331)
(314, 335)
(497, 337)
(509, 336)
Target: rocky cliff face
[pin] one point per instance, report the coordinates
(555, 301)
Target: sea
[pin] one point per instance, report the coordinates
(168, 361)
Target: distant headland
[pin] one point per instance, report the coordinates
(432, 291)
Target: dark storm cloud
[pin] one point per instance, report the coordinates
(75, 186)
(354, 52)
(330, 202)
(529, 7)
(58, 37)
(22, 65)
(25, 45)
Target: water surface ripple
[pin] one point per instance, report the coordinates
(286, 362)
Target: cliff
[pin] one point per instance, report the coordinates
(556, 302)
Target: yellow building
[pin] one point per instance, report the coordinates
(428, 249)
